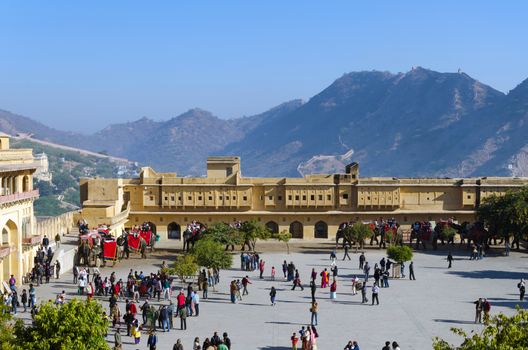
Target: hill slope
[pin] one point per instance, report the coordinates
(418, 123)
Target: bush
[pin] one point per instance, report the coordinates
(184, 267)
(502, 332)
(211, 254)
(284, 236)
(447, 232)
(357, 232)
(223, 234)
(400, 254)
(75, 325)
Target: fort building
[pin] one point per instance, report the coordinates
(311, 207)
(17, 243)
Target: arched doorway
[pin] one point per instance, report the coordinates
(10, 263)
(10, 233)
(272, 226)
(174, 231)
(296, 229)
(321, 229)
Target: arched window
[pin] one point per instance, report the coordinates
(321, 229)
(174, 231)
(272, 226)
(296, 229)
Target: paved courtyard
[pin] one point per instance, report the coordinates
(410, 312)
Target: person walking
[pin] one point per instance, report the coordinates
(273, 272)
(294, 340)
(522, 289)
(324, 278)
(313, 310)
(334, 270)
(333, 290)
(205, 288)
(366, 271)
(261, 268)
(196, 344)
(449, 260)
(385, 278)
(402, 270)
(183, 318)
(479, 304)
(411, 271)
(273, 296)
(387, 346)
(346, 248)
(313, 288)
(245, 282)
(57, 269)
(297, 281)
(362, 260)
(152, 341)
(24, 299)
(196, 303)
(118, 343)
(375, 292)
(178, 345)
(333, 257)
(226, 340)
(364, 298)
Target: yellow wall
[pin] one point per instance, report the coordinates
(162, 198)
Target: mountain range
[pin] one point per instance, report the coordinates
(418, 123)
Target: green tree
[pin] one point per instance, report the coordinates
(6, 328)
(501, 333)
(506, 215)
(357, 232)
(252, 231)
(184, 267)
(400, 254)
(284, 236)
(75, 325)
(224, 234)
(211, 254)
(447, 232)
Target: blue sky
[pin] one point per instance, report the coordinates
(86, 64)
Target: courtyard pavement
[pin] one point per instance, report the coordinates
(410, 312)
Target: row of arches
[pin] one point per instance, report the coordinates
(174, 230)
(297, 229)
(10, 184)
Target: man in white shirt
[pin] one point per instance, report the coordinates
(375, 291)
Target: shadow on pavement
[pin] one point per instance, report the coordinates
(510, 303)
(454, 321)
(495, 274)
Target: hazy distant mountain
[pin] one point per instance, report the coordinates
(390, 123)
(407, 124)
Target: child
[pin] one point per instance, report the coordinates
(294, 341)
(136, 332)
(273, 273)
(273, 296)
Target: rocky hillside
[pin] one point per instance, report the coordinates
(418, 123)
